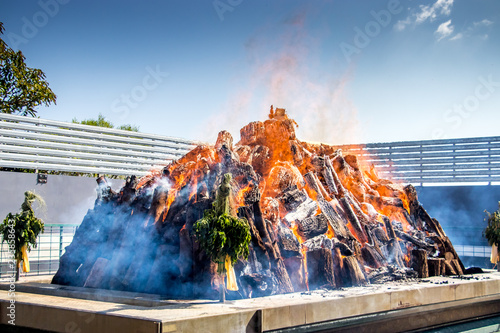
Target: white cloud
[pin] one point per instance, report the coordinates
(442, 7)
(483, 23)
(426, 12)
(478, 29)
(444, 30)
(401, 24)
(457, 36)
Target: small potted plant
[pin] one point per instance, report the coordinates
(492, 232)
(21, 230)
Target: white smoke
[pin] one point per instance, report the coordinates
(286, 73)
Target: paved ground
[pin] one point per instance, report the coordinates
(132, 313)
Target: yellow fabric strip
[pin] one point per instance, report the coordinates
(494, 254)
(231, 276)
(26, 262)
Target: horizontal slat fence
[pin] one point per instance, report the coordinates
(434, 161)
(33, 143)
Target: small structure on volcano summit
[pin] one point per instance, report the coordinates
(317, 218)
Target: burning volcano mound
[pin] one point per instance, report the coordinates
(316, 218)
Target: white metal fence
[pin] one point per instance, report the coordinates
(44, 259)
(434, 161)
(33, 143)
(473, 251)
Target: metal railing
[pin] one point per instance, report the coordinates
(473, 251)
(44, 259)
(33, 143)
(434, 161)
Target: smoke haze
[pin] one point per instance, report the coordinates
(286, 72)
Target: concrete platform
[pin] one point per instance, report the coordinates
(391, 307)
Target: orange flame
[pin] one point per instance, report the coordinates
(407, 259)
(311, 193)
(194, 189)
(295, 229)
(407, 255)
(240, 196)
(330, 233)
(170, 199)
(303, 250)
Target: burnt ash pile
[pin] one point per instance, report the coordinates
(318, 219)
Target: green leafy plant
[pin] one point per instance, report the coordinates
(222, 235)
(492, 231)
(21, 230)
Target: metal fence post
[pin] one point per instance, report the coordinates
(60, 240)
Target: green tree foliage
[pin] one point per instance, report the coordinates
(221, 234)
(128, 127)
(23, 228)
(102, 122)
(492, 231)
(22, 88)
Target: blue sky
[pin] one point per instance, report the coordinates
(347, 71)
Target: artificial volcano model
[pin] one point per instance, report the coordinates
(317, 219)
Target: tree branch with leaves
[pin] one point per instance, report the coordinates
(22, 88)
(101, 121)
